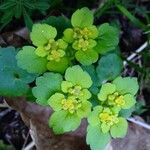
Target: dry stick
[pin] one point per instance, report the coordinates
(29, 146)
(141, 48)
(133, 120)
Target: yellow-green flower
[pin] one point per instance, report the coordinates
(43, 37)
(107, 120)
(71, 102)
(77, 83)
(82, 36)
(116, 95)
(68, 112)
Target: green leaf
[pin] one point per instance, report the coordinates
(28, 21)
(109, 67)
(55, 101)
(6, 5)
(86, 57)
(78, 18)
(13, 80)
(84, 110)
(92, 72)
(75, 74)
(93, 118)
(42, 33)
(28, 60)
(4, 146)
(127, 85)
(108, 38)
(131, 17)
(60, 23)
(125, 113)
(106, 89)
(85, 95)
(68, 35)
(96, 139)
(60, 66)
(46, 86)
(129, 101)
(119, 130)
(62, 121)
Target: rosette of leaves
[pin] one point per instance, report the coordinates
(49, 54)
(88, 40)
(71, 104)
(105, 121)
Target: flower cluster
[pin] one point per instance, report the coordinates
(73, 99)
(113, 98)
(56, 48)
(53, 50)
(82, 36)
(73, 92)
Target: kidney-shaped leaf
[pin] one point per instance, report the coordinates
(46, 86)
(13, 80)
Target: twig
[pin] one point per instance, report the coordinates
(26, 139)
(29, 146)
(141, 48)
(142, 124)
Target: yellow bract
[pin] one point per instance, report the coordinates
(70, 104)
(120, 101)
(82, 38)
(83, 44)
(56, 55)
(107, 117)
(116, 99)
(81, 33)
(54, 50)
(76, 91)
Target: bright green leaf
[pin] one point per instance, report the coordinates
(119, 130)
(28, 60)
(55, 101)
(109, 67)
(129, 101)
(86, 57)
(93, 118)
(96, 139)
(46, 86)
(84, 110)
(106, 89)
(75, 74)
(60, 66)
(62, 121)
(127, 85)
(42, 33)
(82, 18)
(108, 38)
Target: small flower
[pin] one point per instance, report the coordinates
(53, 50)
(43, 37)
(72, 102)
(112, 96)
(107, 120)
(82, 37)
(77, 83)
(71, 109)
